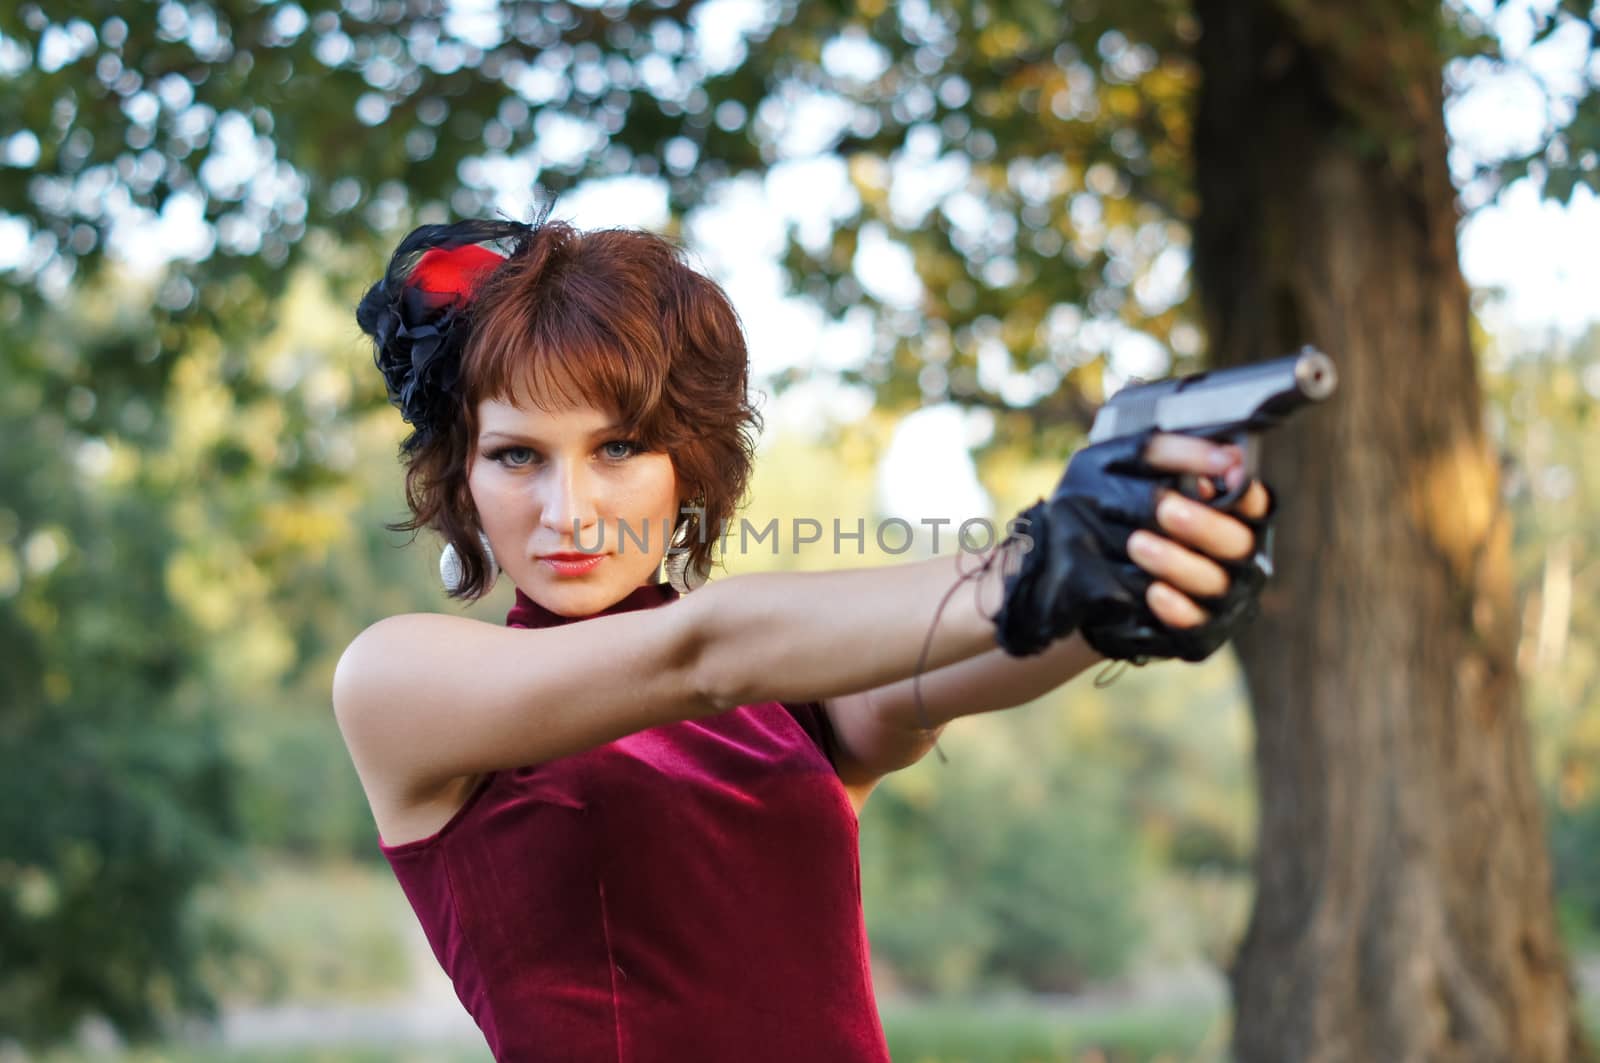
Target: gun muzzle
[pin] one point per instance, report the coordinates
(1314, 374)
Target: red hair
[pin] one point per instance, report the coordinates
(613, 318)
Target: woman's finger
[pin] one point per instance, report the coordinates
(1256, 501)
(1191, 455)
(1202, 528)
(1187, 571)
(1173, 608)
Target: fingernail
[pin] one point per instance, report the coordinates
(1144, 546)
(1164, 595)
(1172, 511)
(1234, 478)
(1221, 459)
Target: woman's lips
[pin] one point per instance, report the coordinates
(572, 564)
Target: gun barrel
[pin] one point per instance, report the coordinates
(1225, 400)
(1315, 374)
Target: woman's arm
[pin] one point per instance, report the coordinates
(423, 699)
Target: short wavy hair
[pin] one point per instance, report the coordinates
(618, 319)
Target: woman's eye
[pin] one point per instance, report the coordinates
(513, 457)
(620, 448)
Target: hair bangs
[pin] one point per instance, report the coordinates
(555, 356)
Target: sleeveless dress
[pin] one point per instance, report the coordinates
(690, 892)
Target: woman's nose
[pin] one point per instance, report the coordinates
(566, 505)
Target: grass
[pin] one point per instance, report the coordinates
(1027, 1032)
(313, 933)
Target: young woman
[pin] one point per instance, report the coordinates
(627, 818)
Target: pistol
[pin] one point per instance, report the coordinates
(1224, 405)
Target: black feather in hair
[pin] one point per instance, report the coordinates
(419, 336)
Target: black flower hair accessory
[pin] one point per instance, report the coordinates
(418, 315)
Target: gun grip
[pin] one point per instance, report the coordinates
(1221, 497)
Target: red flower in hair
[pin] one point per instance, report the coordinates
(417, 315)
(456, 272)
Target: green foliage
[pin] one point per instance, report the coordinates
(1575, 851)
(177, 575)
(115, 794)
(316, 932)
(296, 790)
(1058, 140)
(369, 116)
(1544, 408)
(179, 568)
(1565, 157)
(981, 877)
(358, 113)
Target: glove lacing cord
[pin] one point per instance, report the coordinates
(1003, 553)
(1111, 671)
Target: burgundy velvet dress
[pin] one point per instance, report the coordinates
(691, 892)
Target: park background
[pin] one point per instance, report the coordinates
(951, 228)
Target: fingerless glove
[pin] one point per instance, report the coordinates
(1075, 573)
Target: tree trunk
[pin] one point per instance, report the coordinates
(1404, 906)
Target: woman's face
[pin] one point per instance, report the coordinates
(565, 482)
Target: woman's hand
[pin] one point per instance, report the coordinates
(1195, 577)
(1184, 559)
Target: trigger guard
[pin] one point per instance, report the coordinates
(1222, 498)
(1225, 499)
(1249, 445)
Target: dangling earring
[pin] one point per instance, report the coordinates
(450, 571)
(680, 575)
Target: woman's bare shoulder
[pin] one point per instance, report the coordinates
(424, 700)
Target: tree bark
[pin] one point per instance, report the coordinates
(1404, 908)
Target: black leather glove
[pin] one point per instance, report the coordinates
(1076, 574)
(1075, 567)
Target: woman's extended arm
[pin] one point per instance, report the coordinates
(426, 698)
